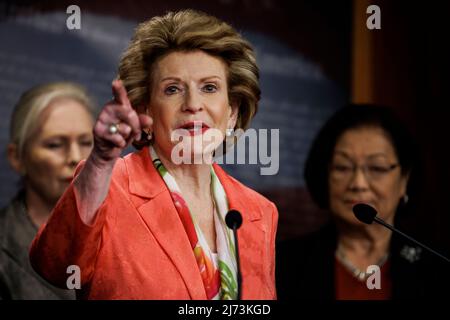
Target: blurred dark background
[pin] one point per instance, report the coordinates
(314, 56)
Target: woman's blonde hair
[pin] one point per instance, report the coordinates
(189, 30)
(32, 103)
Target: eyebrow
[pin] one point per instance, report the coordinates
(374, 155)
(63, 136)
(201, 80)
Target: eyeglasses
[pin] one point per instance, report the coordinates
(343, 172)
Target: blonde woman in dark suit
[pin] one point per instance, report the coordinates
(51, 131)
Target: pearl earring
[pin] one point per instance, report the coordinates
(229, 132)
(405, 199)
(149, 135)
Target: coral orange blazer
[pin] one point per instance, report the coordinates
(137, 247)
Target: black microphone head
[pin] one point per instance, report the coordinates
(233, 219)
(364, 213)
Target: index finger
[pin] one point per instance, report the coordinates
(120, 94)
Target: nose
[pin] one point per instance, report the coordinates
(74, 155)
(359, 181)
(192, 102)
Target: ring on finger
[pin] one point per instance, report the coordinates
(113, 128)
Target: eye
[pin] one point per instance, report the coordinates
(378, 169)
(54, 145)
(170, 90)
(209, 88)
(341, 168)
(87, 143)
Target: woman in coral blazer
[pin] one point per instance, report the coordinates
(151, 225)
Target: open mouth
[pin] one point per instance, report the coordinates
(194, 127)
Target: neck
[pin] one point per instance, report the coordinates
(38, 209)
(363, 245)
(195, 178)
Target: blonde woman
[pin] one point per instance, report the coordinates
(148, 226)
(51, 131)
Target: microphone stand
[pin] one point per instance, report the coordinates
(387, 225)
(238, 262)
(367, 214)
(233, 219)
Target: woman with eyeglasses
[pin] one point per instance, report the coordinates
(362, 154)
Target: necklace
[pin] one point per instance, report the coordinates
(357, 273)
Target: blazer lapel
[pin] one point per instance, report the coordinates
(251, 235)
(161, 217)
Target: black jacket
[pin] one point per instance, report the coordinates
(305, 269)
(17, 278)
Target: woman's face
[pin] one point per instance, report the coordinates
(189, 99)
(63, 139)
(365, 168)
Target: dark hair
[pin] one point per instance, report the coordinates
(350, 117)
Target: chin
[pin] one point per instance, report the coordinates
(61, 189)
(205, 157)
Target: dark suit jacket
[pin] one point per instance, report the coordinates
(305, 269)
(17, 279)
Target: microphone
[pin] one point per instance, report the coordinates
(233, 219)
(367, 214)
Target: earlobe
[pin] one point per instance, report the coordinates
(405, 180)
(405, 198)
(14, 159)
(233, 116)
